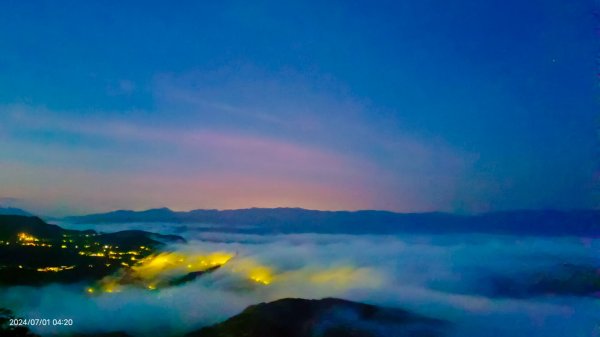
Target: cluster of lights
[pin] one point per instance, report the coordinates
(111, 254)
(154, 272)
(260, 274)
(25, 239)
(94, 249)
(151, 269)
(98, 247)
(54, 269)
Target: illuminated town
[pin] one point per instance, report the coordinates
(108, 262)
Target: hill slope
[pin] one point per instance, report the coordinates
(329, 317)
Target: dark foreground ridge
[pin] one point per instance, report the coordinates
(329, 317)
(295, 220)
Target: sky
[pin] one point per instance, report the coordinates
(410, 106)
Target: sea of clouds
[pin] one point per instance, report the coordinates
(441, 276)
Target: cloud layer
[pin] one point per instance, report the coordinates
(437, 276)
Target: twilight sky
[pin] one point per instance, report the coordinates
(459, 106)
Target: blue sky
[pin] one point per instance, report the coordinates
(410, 106)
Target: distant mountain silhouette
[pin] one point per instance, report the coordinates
(329, 317)
(13, 211)
(294, 220)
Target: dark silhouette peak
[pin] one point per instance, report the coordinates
(329, 317)
(158, 210)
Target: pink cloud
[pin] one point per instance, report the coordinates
(144, 165)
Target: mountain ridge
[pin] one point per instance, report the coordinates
(13, 211)
(583, 222)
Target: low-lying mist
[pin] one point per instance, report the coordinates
(482, 284)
